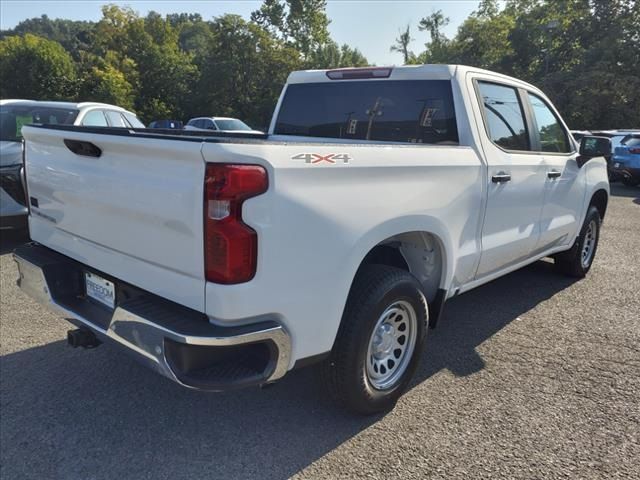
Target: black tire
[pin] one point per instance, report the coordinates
(571, 262)
(631, 181)
(376, 289)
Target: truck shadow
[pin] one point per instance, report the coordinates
(10, 239)
(620, 190)
(91, 414)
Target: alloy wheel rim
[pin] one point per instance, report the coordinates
(589, 244)
(391, 345)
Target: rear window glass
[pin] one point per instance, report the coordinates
(232, 124)
(135, 123)
(409, 111)
(631, 141)
(14, 117)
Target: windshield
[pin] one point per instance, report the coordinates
(410, 111)
(232, 124)
(14, 117)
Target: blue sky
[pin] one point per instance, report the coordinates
(370, 25)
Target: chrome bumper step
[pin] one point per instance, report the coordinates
(176, 341)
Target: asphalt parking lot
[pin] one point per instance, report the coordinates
(532, 376)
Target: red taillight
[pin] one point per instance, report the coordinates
(634, 150)
(230, 246)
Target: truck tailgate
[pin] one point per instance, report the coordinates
(134, 212)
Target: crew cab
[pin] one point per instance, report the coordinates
(226, 260)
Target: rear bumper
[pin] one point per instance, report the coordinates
(626, 172)
(177, 342)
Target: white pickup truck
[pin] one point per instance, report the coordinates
(379, 193)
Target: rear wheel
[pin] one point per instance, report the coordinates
(577, 261)
(379, 342)
(631, 181)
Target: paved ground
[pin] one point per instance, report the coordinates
(532, 376)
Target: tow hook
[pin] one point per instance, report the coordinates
(81, 337)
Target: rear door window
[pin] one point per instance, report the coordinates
(115, 119)
(552, 135)
(504, 116)
(95, 118)
(408, 111)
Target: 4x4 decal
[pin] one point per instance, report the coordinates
(316, 158)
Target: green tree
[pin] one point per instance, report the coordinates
(36, 68)
(103, 81)
(143, 54)
(74, 36)
(302, 24)
(584, 54)
(402, 45)
(436, 51)
(331, 55)
(351, 57)
(243, 71)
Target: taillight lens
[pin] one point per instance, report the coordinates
(231, 246)
(634, 150)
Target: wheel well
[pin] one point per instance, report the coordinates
(419, 253)
(599, 200)
(386, 254)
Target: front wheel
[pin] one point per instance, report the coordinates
(577, 261)
(379, 342)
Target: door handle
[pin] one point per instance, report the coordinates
(554, 174)
(86, 149)
(501, 177)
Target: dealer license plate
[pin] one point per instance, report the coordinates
(100, 289)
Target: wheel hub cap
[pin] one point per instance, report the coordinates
(383, 340)
(589, 244)
(391, 345)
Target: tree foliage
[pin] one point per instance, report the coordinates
(34, 67)
(300, 23)
(402, 45)
(585, 54)
(176, 66)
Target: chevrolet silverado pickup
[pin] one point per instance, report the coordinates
(227, 260)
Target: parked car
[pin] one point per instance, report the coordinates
(219, 124)
(378, 194)
(616, 137)
(626, 160)
(578, 134)
(167, 124)
(14, 114)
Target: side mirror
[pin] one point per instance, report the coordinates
(591, 147)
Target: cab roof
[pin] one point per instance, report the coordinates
(430, 71)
